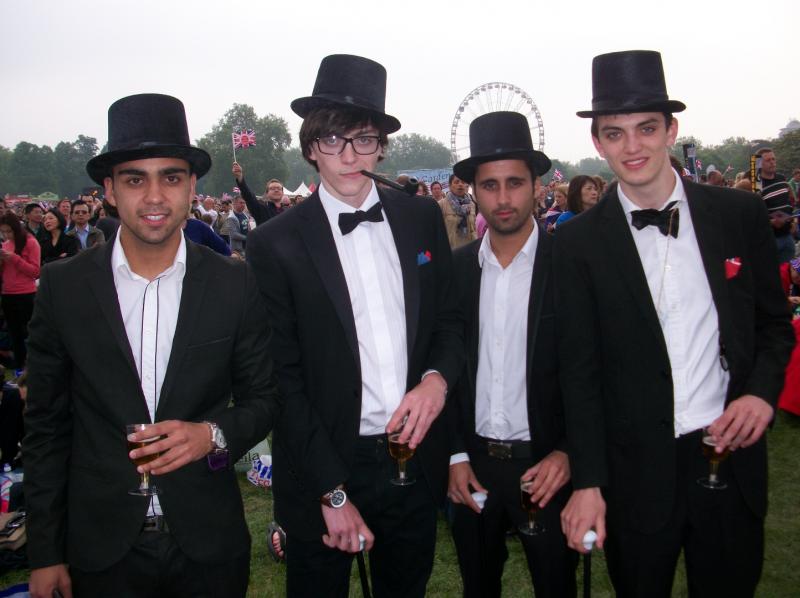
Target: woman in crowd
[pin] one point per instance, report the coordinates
(559, 206)
(422, 188)
(582, 194)
(57, 245)
(20, 260)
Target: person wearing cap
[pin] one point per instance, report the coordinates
(671, 319)
(136, 307)
(505, 412)
(367, 336)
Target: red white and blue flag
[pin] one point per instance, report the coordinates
(558, 175)
(244, 138)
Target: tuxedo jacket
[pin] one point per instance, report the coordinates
(83, 389)
(615, 369)
(315, 346)
(545, 410)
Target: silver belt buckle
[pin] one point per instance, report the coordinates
(499, 450)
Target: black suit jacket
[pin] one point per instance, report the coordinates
(545, 409)
(616, 374)
(83, 388)
(315, 347)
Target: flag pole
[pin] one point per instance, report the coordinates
(233, 143)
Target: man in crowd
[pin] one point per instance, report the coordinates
(794, 183)
(65, 207)
(241, 216)
(367, 339)
(207, 207)
(458, 213)
(87, 235)
(673, 332)
(120, 336)
(33, 221)
(229, 228)
(779, 201)
(714, 176)
(260, 211)
(505, 411)
(768, 174)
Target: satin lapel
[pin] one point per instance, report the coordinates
(708, 232)
(617, 237)
(189, 318)
(473, 283)
(539, 281)
(321, 247)
(408, 245)
(102, 284)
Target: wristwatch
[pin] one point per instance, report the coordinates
(335, 499)
(217, 437)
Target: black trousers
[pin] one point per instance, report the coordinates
(11, 424)
(18, 310)
(156, 567)
(722, 540)
(481, 539)
(403, 519)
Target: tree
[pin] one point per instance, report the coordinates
(32, 168)
(300, 171)
(787, 151)
(259, 163)
(69, 164)
(6, 182)
(413, 151)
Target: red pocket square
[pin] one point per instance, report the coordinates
(732, 265)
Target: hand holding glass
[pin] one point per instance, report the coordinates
(714, 459)
(145, 487)
(531, 508)
(401, 452)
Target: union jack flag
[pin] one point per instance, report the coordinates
(699, 164)
(244, 138)
(558, 175)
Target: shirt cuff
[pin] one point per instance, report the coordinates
(459, 458)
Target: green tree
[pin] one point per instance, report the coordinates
(6, 182)
(412, 151)
(69, 164)
(32, 168)
(787, 151)
(259, 163)
(300, 171)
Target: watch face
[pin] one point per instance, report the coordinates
(338, 498)
(219, 438)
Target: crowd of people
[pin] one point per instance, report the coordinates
(549, 359)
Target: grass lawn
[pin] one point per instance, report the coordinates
(781, 577)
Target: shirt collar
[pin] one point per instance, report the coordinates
(527, 252)
(333, 207)
(120, 265)
(678, 194)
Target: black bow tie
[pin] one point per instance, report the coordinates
(666, 220)
(349, 222)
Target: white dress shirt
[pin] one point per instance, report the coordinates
(375, 283)
(149, 311)
(687, 314)
(501, 389)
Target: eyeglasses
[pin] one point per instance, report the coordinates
(363, 145)
(80, 213)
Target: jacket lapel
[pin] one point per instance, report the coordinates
(617, 237)
(318, 239)
(189, 315)
(406, 243)
(541, 270)
(473, 294)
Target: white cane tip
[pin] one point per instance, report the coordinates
(361, 541)
(589, 539)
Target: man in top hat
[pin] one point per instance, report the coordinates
(119, 337)
(367, 337)
(505, 411)
(671, 320)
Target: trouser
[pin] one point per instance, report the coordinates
(18, 310)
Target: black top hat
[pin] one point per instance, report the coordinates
(500, 136)
(626, 82)
(352, 81)
(148, 125)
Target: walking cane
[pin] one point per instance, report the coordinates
(362, 569)
(588, 543)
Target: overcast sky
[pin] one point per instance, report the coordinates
(63, 62)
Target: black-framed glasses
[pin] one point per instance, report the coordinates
(333, 145)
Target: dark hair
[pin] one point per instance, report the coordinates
(436, 183)
(29, 207)
(676, 164)
(759, 153)
(336, 121)
(111, 211)
(668, 118)
(78, 202)
(574, 203)
(20, 234)
(424, 187)
(62, 222)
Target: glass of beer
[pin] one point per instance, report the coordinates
(401, 452)
(145, 487)
(714, 459)
(531, 508)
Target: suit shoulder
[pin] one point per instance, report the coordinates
(467, 253)
(416, 202)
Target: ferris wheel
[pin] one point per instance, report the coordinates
(492, 97)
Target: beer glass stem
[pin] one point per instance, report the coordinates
(712, 475)
(402, 465)
(531, 524)
(145, 483)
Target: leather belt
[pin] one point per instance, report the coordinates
(155, 523)
(506, 449)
